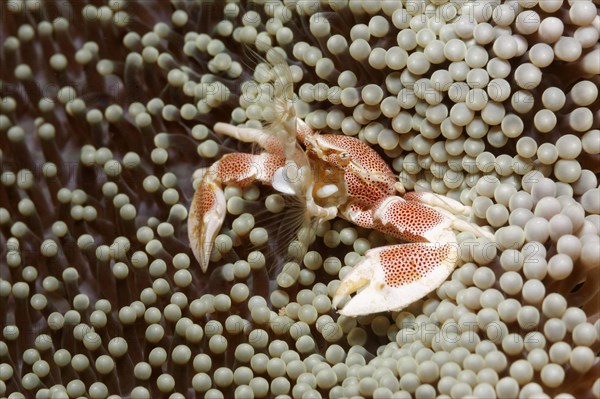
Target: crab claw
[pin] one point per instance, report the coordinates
(395, 276)
(207, 213)
(208, 208)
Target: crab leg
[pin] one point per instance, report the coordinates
(438, 201)
(264, 139)
(207, 211)
(449, 208)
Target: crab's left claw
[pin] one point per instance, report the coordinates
(208, 208)
(396, 276)
(207, 213)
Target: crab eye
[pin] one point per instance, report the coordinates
(344, 159)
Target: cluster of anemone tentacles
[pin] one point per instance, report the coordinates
(106, 108)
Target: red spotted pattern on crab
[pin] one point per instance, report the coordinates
(346, 178)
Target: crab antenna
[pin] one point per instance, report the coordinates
(303, 130)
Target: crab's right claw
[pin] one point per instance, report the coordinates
(205, 219)
(395, 276)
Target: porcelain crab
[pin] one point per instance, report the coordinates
(341, 176)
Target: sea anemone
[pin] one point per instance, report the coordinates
(106, 111)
